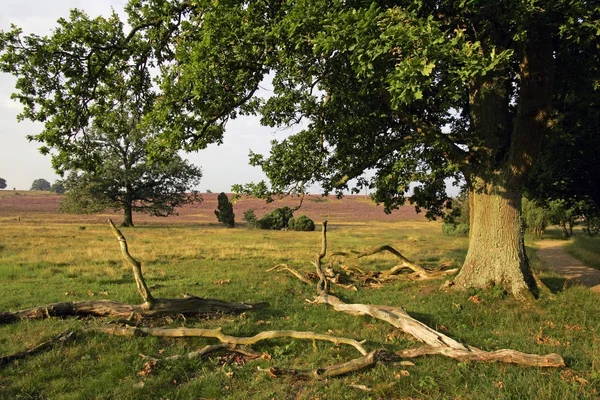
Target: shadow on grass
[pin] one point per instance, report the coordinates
(555, 284)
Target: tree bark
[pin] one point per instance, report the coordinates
(510, 145)
(127, 214)
(496, 254)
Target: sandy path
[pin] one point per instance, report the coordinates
(554, 256)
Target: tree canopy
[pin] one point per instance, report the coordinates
(412, 91)
(40, 184)
(2, 183)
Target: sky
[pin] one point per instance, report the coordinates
(20, 161)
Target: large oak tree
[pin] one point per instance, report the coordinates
(414, 91)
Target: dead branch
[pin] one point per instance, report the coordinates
(357, 364)
(189, 305)
(217, 334)
(207, 350)
(473, 354)
(437, 343)
(395, 316)
(61, 338)
(284, 267)
(136, 267)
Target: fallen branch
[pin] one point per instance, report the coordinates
(217, 334)
(473, 354)
(437, 343)
(357, 364)
(61, 338)
(188, 305)
(207, 350)
(284, 267)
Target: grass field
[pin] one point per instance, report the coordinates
(47, 257)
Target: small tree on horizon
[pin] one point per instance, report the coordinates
(58, 187)
(2, 183)
(224, 211)
(41, 184)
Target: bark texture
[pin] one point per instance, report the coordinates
(511, 142)
(496, 254)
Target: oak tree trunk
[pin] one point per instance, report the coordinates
(496, 254)
(511, 142)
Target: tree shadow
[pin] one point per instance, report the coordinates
(556, 284)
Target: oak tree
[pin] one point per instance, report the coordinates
(40, 184)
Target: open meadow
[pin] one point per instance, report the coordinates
(48, 257)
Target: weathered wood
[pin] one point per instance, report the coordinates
(344, 368)
(437, 343)
(285, 267)
(395, 316)
(473, 354)
(207, 350)
(136, 266)
(218, 334)
(190, 305)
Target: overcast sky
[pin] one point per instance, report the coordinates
(20, 161)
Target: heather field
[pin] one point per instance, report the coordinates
(44, 206)
(48, 257)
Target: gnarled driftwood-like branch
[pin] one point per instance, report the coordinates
(218, 334)
(437, 343)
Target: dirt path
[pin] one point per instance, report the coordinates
(554, 256)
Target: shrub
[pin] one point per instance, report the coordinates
(535, 217)
(455, 230)
(224, 211)
(456, 220)
(276, 219)
(302, 223)
(250, 218)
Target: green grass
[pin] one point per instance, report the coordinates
(585, 248)
(42, 264)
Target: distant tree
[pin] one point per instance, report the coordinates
(2, 183)
(58, 187)
(564, 214)
(40, 184)
(535, 216)
(276, 219)
(250, 218)
(127, 179)
(224, 211)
